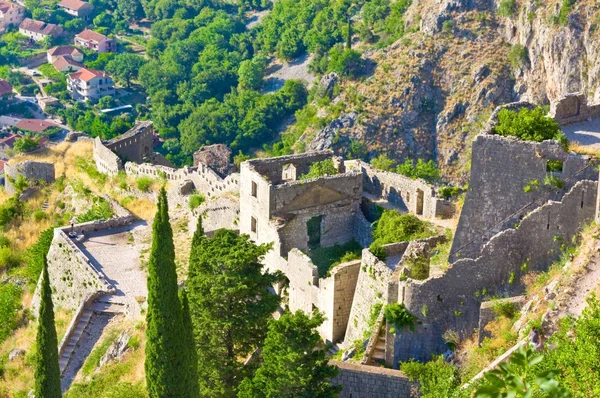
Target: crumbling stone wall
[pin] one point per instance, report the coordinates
(360, 381)
(272, 169)
(573, 108)
(501, 170)
(31, 170)
(487, 313)
(217, 157)
(136, 145)
(107, 161)
(453, 299)
(73, 278)
(222, 212)
(415, 196)
(332, 295)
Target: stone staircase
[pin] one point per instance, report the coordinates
(107, 304)
(74, 338)
(378, 355)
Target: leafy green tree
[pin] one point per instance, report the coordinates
(230, 305)
(251, 73)
(25, 144)
(529, 125)
(427, 171)
(345, 62)
(320, 169)
(293, 364)
(166, 372)
(383, 162)
(517, 378)
(106, 102)
(125, 67)
(47, 371)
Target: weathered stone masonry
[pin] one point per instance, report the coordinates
(31, 170)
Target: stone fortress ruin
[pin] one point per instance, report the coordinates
(524, 201)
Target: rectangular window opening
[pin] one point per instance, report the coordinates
(253, 224)
(254, 189)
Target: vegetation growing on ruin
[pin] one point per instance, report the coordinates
(327, 258)
(101, 210)
(436, 377)
(321, 168)
(196, 200)
(397, 316)
(420, 169)
(529, 125)
(394, 227)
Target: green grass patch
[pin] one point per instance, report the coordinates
(326, 258)
(394, 227)
(101, 209)
(10, 302)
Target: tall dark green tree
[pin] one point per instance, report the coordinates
(231, 304)
(189, 344)
(47, 371)
(293, 366)
(166, 371)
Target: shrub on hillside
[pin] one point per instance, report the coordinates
(320, 169)
(529, 125)
(395, 227)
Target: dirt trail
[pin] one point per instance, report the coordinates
(587, 280)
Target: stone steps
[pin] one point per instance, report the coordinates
(74, 338)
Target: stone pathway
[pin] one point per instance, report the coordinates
(586, 133)
(116, 252)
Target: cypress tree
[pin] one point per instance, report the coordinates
(197, 240)
(189, 345)
(47, 371)
(165, 364)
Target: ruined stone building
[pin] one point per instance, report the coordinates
(525, 199)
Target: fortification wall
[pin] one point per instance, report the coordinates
(72, 276)
(497, 198)
(272, 168)
(360, 381)
(222, 212)
(371, 288)
(106, 160)
(415, 196)
(31, 170)
(453, 299)
(488, 314)
(135, 145)
(573, 108)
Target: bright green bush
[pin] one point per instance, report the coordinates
(397, 315)
(196, 200)
(394, 227)
(507, 8)
(436, 378)
(101, 209)
(427, 171)
(320, 169)
(529, 125)
(518, 56)
(144, 183)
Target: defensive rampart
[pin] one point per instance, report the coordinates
(31, 170)
(452, 301)
(361, 381)
(573, 108)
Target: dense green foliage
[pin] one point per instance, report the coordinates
(190, 355)
(518, 56)
(25, 144)
(10, 302)
(230, 305)
(397, 315)
(321, 168)
(36, 255)
(167, 373)
(436, 378)
(10, 209)
(326, 258)
(125, 67)
(427, 171)
(101, 210)
(47, 371)
(507, 8)
(293, 364)
(577, 352)
(394, 227)
(529, 125)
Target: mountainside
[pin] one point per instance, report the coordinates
(433, 89)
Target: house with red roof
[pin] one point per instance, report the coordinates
(77, 8)
(64, 51)
(38, 30)
(7, 141)
(90, 85)
(35, 125)
(95, 41)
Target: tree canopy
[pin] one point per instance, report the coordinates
(529, 125)
(230, 305)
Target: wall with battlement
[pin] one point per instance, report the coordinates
(415, 196)
(453, 299)
(135, 145)
(501, 169)
(31, 170)
(573, 108)
(360, 381)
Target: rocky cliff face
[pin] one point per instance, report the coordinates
(432, 90)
